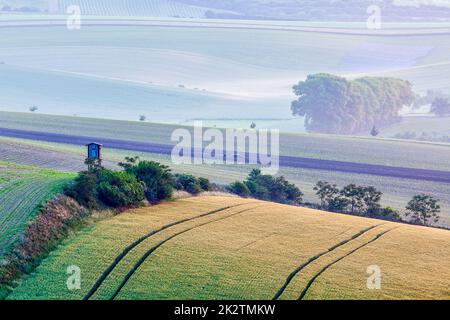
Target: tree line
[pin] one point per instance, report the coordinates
(439, 101)
(333, 104)
(100, 188)
(351, 199)
(365, 201)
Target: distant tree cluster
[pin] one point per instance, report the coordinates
(439, 101)
(365, 201)
(441, 107)
(353, 199)
(332, 104)
(423, 136)
(429, 97)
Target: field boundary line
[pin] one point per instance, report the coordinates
(133, 245)
(314, 278)
(226, 26)
(314, 258)
(154, 248)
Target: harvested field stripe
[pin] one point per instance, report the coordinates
(153, 249)
(285, 160)
(127, 250)
(311, 260)
(311, 281)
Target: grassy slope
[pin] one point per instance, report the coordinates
(247, 252)
(23, 190)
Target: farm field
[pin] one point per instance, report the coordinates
(131, 82)
(419, 125)
(177, 69)
(230, 248)
(23, 189)
(345, 27)
(327, 147)
(154, 8)
(397, 192)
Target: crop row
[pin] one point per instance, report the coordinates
(133, 7)
(23, 190)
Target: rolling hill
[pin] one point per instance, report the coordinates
(176, 70)
(149, 8)
(231, 248)
(327, 10)
(362, 150)
(154, 8)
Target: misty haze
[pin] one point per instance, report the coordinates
(346, 101)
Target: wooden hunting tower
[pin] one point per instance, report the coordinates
(94, 151)
(94, 156)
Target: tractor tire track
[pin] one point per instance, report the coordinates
(154, 248)
(314, 258)
(127, 250)
(314, 278)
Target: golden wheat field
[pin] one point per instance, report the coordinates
(214, 247)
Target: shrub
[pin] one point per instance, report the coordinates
(188, 183)
(157, 179)
(84, 190)
(257, 190)
(387, 213)
(205, 184)
(239, 188)
(338, 204)
(119, 189)
(288, 191)
(267, 187)
(114, 189)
